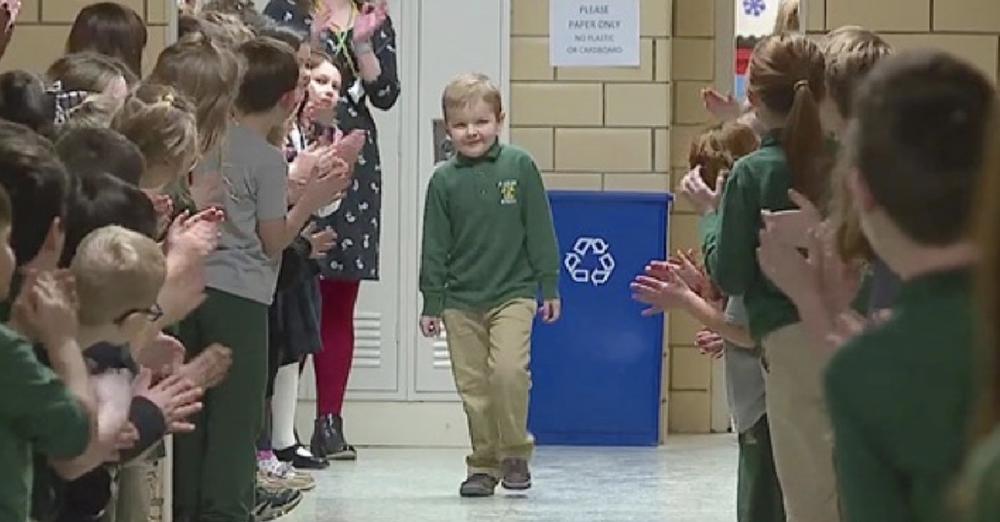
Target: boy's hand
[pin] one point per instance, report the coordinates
(430, 326)
(46, 309)
(209, 368)
(551, 311)
(163, 356)
(786, 267)
(319, 242)
(661, 293)
(724, 108)
(323, 190)
(699, 194)
(793, 226)
(710, 343)
(191, 238)
(176, 396)
(164, 208)
(850, 324)
(348, 148)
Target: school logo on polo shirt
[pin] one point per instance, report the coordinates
(508, 192)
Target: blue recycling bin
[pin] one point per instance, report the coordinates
(597, 373)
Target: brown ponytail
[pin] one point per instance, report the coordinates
(787, 76)
(803, 141)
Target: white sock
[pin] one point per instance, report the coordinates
(286, 395)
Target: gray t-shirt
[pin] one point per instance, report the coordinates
(744, 375)
(255, 183)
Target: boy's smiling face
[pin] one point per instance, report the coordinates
(473, 128)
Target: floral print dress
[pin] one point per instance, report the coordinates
(358, 221)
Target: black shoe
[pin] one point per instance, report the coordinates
(478, 485)
(300, 457)
(328, 440)
(516, 475)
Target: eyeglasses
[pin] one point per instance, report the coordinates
(153, 313)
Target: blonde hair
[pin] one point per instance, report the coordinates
(788, 17)
(209, 75)
(851, 52)
(96, 111)
(163, 125)
(468, 88)
(117, 271)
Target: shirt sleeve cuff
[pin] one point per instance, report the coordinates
(433, 304)
(550, 288)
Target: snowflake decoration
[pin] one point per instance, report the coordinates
(754, 7)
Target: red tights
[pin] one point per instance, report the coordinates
(333, 363)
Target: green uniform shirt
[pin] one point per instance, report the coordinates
(899, 399)
(982, 481)
(488, 233)
(37, 413)
(759, 181)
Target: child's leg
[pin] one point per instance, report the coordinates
(286, 395)
(234, 409)
(758, 494)
(801, 435)
(189, 448)
(135, 491)
(333, 363)
(510, 379)
(469, 346)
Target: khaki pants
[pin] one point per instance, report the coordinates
(133, 498)
(490, 355)
(801, 435)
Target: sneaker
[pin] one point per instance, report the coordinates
(272, 504)
(282, 473)
(516, 475)
(300, 457)
(478, 485)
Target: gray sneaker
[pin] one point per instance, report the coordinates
(478, 485)
(516, 475)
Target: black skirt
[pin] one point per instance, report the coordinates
(294, 316)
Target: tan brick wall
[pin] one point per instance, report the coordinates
(43, 25)
(648, 116)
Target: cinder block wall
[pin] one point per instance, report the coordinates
(43, 25)
(620, 129)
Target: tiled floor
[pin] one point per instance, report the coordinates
(692, 479)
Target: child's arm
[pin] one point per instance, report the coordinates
(277, 225)
(729, 236)
(666, 291)
(716, 321)
(543, 250)
(437, 243)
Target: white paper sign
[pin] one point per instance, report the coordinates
(596, 33)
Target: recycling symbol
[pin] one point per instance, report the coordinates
(584, 248)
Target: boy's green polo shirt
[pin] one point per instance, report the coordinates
(488, 233)
(899, 399)
(37, 413)
(730, 236)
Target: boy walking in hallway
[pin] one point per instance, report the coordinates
(489, 248)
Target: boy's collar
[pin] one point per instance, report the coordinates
(491, 155)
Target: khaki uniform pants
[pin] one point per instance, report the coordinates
(490, 355)
(801, 435)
